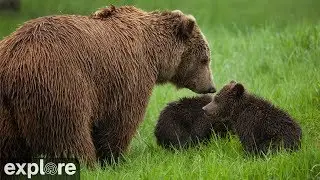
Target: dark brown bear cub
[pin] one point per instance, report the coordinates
(183, 123)
(259, 124)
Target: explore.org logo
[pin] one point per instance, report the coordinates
(43, 168)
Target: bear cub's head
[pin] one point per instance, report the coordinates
(225, 100)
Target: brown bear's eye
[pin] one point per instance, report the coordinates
(204, 61)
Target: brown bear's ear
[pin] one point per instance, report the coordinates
(237, 90)
(103, 12)
(186, 26)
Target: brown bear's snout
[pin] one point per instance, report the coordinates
(211, 90)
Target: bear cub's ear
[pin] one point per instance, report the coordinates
(186, 24)
(237, 89)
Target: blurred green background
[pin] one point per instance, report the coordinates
(210, 13)
(271, 46)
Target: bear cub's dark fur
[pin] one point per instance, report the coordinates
(184, 123)
(259, 124)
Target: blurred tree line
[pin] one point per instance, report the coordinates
(10, 5)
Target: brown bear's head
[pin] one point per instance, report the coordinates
(225, 100)
(193, 71)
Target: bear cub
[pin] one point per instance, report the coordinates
(184, 123)
(259, 124)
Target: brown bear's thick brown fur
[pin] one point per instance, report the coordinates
(259, 124)
(79, 85)
(184, 123)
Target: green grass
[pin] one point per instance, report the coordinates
(272, 47)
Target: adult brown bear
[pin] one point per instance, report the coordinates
(79, 85)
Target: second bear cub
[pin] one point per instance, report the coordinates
(183, 123)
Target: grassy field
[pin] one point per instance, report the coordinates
(272, 47)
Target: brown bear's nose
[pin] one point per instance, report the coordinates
(211, 90)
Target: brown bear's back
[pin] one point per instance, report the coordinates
(51, 51)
